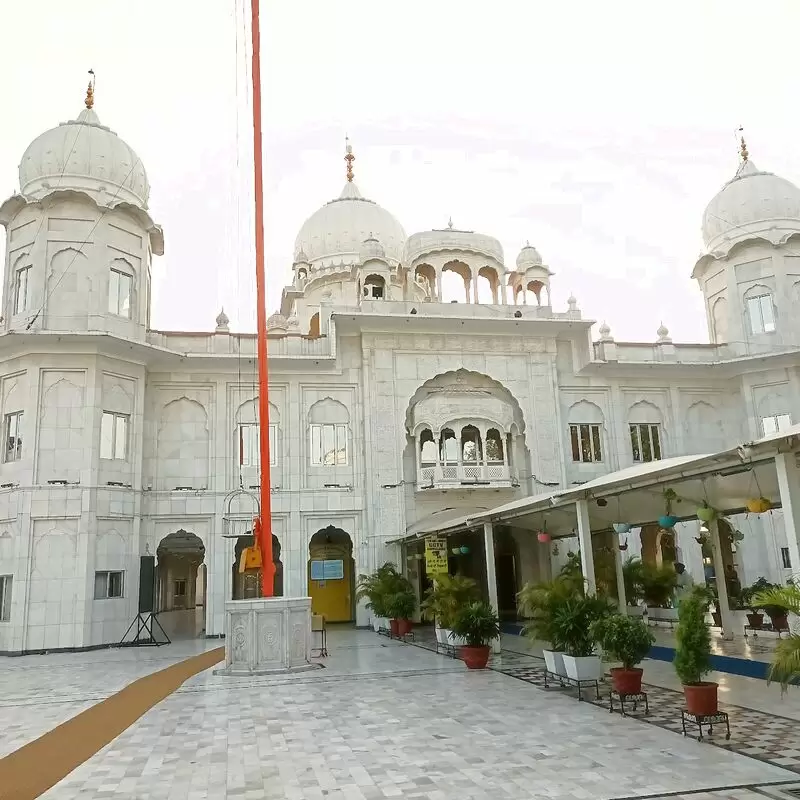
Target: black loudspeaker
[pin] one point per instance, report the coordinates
(147, 584)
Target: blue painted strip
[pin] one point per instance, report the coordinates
(733, 666)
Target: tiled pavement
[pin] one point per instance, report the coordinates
(387, 720)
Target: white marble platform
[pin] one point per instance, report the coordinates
(266, 635)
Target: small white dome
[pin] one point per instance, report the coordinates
(753, 203)
(277, 322)
(86, 156)
(372, 250)
(605, 331)
(222, 320)
(528, 257)
(336, 232)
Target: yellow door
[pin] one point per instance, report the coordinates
(329, 588)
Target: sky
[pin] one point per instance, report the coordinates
(597, 131)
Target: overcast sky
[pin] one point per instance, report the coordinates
(598, 131)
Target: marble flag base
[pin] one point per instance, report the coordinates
(267, 635)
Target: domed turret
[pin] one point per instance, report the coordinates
(85, 155)
(528, 257)
(371, 250)
(335, 233)
(752, 204)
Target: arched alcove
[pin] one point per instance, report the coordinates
(331, 574)
(246, 574)
(179, 556)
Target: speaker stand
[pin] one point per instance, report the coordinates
(147, 632)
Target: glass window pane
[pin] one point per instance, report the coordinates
(598, 455)
(125, 287)
(113, 292)
(121, 438)
(115, 584)
(573, 435)
(767, 313)
(5, 597)
(273, 455)
(100, 585)
(341, 444)
(644, 437)
(770, 425)
(655, 438)
(328, 445)
(316, 444)
(107, 436)
(783, 422)
(637, 454)
(586, 444)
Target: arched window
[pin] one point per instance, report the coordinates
(374, 287)
(494, 446)
(248, 445)
(470, 445)
(329, 433)
(120, 292)
(313, 326)
(427, 448)
(760, 310)
(448, 446)
(586, 432)
(644, 422)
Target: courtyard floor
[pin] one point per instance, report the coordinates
(387, 719)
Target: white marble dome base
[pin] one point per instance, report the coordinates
(267, 635)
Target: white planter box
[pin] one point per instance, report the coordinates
(441, 635)
(667, 615)
(380, 623)
(589, 668)
(554, 662)
(636, 611)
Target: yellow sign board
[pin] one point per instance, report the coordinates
(435, 556)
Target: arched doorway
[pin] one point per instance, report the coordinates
(246, 582)
(331, 575)
(181, 584)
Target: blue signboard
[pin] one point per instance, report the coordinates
(327, 570)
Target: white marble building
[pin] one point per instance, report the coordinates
(389, 408)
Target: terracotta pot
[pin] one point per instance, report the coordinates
(626, 681)
(755, 620)
(780, 622)
(701, 699)
(475, 657)
(394, 627)
(717, 617)
(404, 627)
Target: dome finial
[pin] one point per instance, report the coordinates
(450, 223)
(349, 158)
(743, 151)
(90, 91)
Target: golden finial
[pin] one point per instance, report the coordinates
(349, 158)
(90, 91)
(743, 151)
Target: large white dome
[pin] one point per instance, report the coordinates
(86, 156)
(336, 232)
(754, 203)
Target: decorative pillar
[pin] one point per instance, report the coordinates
(622, 600)
(491, 574)
(789, 486)
(585, 544)
(722, 589)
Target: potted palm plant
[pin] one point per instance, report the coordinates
(442, 602)
(627, 640)
(658, 588)
(375, 588)
(693, 654)
(479, 625)
(785, 666)
(632, 574)
(572, 623)
(540, 603)
(400, 605)
(776, 602)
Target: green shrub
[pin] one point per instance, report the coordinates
(448, 594)
(379, 585)
(477, 623)
(540, 603)
(658, 585)
(401, 605)
(693, 639)
(623, 638)
(573, 620)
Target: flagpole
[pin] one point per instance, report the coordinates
(262, 529)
